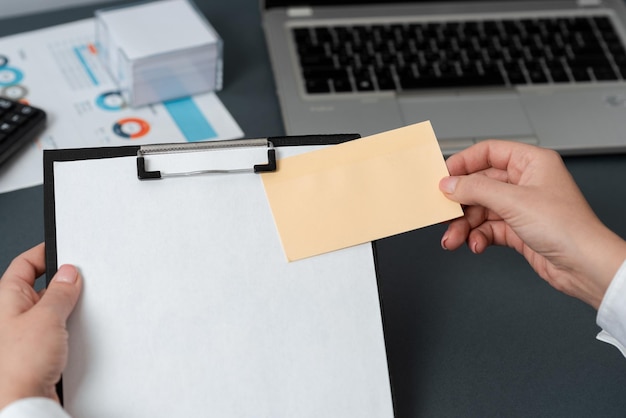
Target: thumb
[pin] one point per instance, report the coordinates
(476, 189)
(62, 293)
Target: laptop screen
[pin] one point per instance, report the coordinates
(269, 4)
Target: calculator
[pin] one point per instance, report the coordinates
(20, 124)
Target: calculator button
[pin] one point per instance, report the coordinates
(5, 104)
(6, 127)
(26, 110)
(15, 118)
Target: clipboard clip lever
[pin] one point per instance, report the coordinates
(144, 150)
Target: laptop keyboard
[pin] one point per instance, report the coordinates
(366, 58)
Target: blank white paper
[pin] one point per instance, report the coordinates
(190, 307)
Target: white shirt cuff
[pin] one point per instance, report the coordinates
(612, 312)
(34, 408)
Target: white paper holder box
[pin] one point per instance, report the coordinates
(161, 50)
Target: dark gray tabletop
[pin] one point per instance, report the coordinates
(467, 335)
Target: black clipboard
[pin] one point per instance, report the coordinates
(329, 394)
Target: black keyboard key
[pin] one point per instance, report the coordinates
(475, 80)
(342, 34)
(536, 73)
(323, 72)
(557, 72)
(317, 85)
(469, 70)
(323, 35)
(616, 48)
(517, 77)
(305, 49)
(581, 74)
(603, 23)
(304, 41)
(342, 84)
(316, 61)
(365, 60)
(619, 59)
(301, 35)
(384, 79)
(605, 74)
(363, 81)
(469, 29)
(596, 58)
(320, 77)
(491, 28)
(359, 32)
(447, 70)
(515, 72)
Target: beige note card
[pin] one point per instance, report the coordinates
(359, 191)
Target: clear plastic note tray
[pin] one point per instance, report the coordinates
(159, 51)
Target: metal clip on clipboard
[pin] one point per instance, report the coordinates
(144, 150)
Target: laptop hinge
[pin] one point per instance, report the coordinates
(589, 3)
(299, 11)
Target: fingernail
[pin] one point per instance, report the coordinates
(443, 241)
(448, 184)
(474, 247)
(67, 273)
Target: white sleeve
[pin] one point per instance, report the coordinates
(612, 312)
(33, 408)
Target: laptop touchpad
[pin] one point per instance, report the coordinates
(469, 116)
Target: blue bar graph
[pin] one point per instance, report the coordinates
(79, 51)
(190, 120)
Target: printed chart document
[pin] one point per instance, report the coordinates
(58, 70)
(190, 308)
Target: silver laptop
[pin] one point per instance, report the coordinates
(544, 72)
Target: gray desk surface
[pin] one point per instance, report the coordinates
(467, 336)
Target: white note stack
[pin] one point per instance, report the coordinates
(159, 50)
